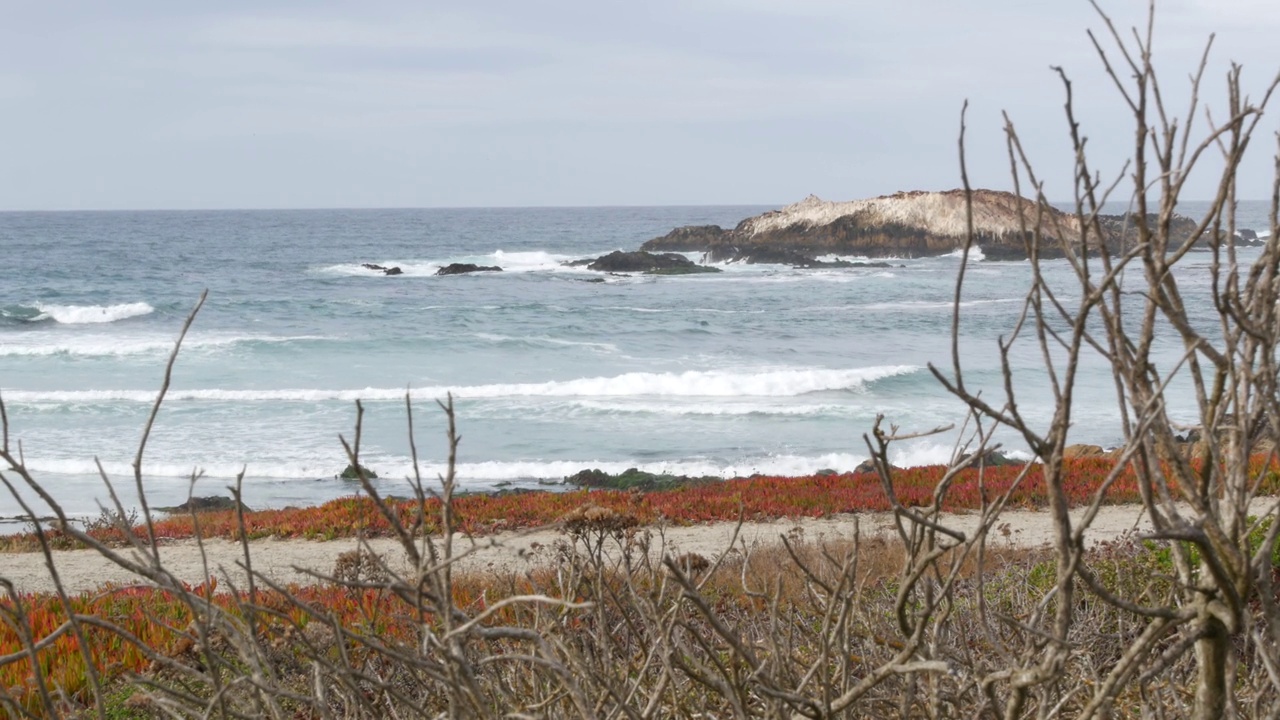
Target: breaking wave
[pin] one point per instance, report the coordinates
(76, 314)
(97, 345)
(772, 383)
(394, 469)
(516, 262)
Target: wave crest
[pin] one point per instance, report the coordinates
(106, 345)
(394, 468)
(771, 383)
(512, 262)
(89, 314)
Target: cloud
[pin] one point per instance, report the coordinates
(770, 98)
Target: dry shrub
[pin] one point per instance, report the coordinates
(692, 563)
(926, 621)
(595, 519)
(359, 567)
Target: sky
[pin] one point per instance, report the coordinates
(139, 104)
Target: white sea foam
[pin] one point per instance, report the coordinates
(928, 305)
(719, 409)
(769, 383)
(517, 262)
(122, 468)
(926, 453)
(91, 314)
(394, 468)
(530, 261)
(975, 253)
(115, 346)
(627, 308)
(412, 269)
(848, 258)
(598, 346)
(788, 276)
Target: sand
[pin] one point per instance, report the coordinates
(284, 561)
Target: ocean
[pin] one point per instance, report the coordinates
(759, 369)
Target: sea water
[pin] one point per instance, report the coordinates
(552, 369)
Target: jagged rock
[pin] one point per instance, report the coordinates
(992, 458)
(352, 473)
(394, 270)
(1245, 236)
(589, 478)
(907, 224)
(212, 503)
(1123, 229)
(693, 238)
(463, 268)
(634, 479)
(866, 466)
(1075, 452)
(649, 263)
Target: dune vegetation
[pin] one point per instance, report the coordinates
(925, 620)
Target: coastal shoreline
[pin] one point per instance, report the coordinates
(516, 552)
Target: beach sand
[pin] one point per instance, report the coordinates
(285, 561)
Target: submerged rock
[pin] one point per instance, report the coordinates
(212, 503)
(352, 472)
(393, 270)
(992, 458)
(463, 268)
(649, 263)
(1075, 452)
(634, 479)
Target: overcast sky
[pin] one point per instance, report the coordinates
(413, 103)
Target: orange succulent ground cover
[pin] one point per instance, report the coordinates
(159, 621)
(758, 497)
(161, 627)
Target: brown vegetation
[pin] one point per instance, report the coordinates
(931, 621)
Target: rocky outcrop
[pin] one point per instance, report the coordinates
(212, 503)
(910, 224)
(906, 224)
(393, 270)
(648, 263)
(353, 472)
(1080, 451)
(1124, 227)
(991, 458)
(464, 268)
(635, 479)
(694, 237)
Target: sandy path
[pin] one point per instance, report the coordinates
(85, 570)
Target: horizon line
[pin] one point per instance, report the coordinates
(453, 207)
(383, 207)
